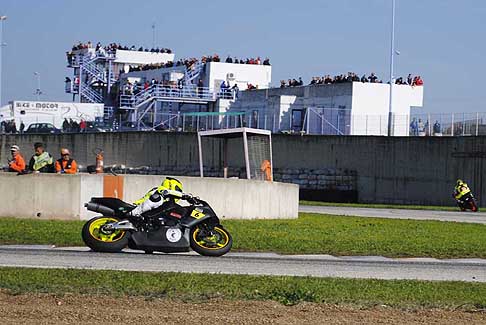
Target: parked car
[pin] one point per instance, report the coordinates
(42, 128)
(98, 127)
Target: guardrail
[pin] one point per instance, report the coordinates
(168, 93)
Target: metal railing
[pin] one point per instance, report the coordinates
(168, 93)
(193, 72)
(90, 94)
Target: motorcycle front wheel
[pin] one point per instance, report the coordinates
(100, 239)
(210, 240)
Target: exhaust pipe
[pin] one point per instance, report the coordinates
(99, 208)
(122, 225)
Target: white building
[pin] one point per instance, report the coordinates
(343, 109)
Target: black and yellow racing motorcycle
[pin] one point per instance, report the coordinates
(169, 228)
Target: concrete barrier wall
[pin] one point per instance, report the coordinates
(413, 170)
(51, 196)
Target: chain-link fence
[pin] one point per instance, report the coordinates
(309, 120)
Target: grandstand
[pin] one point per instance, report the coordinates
(148, 89)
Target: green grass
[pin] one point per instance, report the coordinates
(309, 234)
(381, 206)
(287, 290)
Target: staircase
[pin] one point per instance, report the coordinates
(91, 95)
(192, 73)
(90, 73)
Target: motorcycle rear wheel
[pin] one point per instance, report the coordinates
(101, 240)
(210, 240)
(474, 207)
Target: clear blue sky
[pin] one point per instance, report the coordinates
(442, 40)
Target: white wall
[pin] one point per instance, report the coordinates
(138, 57)
(372, 99)
(258, 75)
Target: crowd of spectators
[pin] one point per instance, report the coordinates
(106, 50)
(11, 127)
(419, 128)
(117, 46)
(351, 77)
(205, 59)
(73, 126)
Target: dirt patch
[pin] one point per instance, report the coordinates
(81, 309)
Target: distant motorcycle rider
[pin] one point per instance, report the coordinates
(169, 191)
(461, 190)
(464, 198)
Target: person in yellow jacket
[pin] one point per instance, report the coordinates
(461, 189)
(464, 197)
(41, 161)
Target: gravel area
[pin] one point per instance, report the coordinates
(85, 309)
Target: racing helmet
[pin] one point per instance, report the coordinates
(172, 184)
(459, 182)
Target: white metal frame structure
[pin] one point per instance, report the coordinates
(227, 134)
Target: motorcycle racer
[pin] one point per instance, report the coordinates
(169, 190)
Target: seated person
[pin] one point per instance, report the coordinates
(41, 161)
(66, 165)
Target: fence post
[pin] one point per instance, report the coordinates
(477, 123)
(463, 123)
(452, 124)
(307, 119)
(366, 124)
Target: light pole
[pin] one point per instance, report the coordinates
(38, 91)
(392, 53)
(153, 35)
(2, 18)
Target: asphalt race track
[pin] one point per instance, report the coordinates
(472, 270)
(468, 217)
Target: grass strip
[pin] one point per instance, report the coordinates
(381, 206)
(284, 289)
(309, 234)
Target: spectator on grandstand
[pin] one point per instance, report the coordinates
(200, 87)
(17, 162)
(417, 81)
(364, 79)
(421, 127)
(373, 78)
(414, 127)
(22, 127)
(437, 128)
(41, 161)
(399, 81)
(66, 165)
(409, 79)
(235, 91)
(229, 60)
(282, 83)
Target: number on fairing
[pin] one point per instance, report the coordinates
(197, 214)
